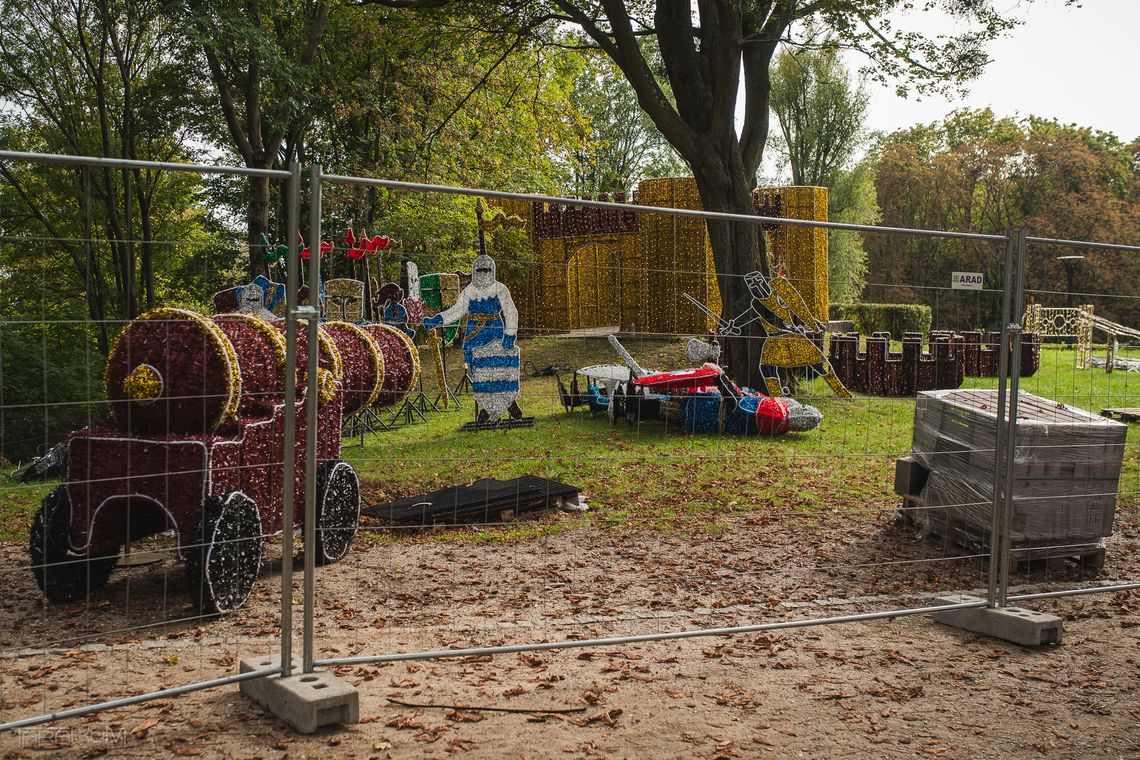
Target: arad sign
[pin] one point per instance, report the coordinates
(966, 280)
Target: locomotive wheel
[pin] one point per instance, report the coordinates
(224, 558)
(338, 510)
(62, 574)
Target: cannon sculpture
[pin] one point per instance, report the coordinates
(196, 446)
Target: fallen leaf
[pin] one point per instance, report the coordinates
(143, 726)
(465, 716)
(185, 750)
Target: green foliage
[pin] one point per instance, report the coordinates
(51, 381)
(821, 114)
(619, 144)
(101, 80)
(851, 199)
(820, 111)
(419, 98)
(895, 318)
(975, 172)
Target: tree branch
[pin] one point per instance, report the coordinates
(902, 54)
(470, 93)
(621, 46)
(229, 111)
(52, 231)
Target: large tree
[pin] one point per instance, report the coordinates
(715, 51)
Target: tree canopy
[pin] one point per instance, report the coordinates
(821, 113)
(975, 171)
(716, 57)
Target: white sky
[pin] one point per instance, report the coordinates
(1075, 64)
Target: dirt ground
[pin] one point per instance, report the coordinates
(904, 687)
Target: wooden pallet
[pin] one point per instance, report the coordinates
(1089, 557)
(1127, 414)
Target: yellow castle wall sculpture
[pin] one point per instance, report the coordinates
(592, 268)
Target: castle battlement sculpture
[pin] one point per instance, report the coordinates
(950, 357)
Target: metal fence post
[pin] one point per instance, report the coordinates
(1014, 329)
(998, 504)
(313, 391)
(289, 477)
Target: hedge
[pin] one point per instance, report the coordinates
(895, 318)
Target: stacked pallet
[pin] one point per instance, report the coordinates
(1065, 479)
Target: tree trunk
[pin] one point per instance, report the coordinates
(258, 222)
(738, 248)
(130, 292)
(95, 290)
(147, 264)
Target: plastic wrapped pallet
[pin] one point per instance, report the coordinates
(1066, 470)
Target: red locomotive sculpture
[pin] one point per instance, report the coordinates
(196, 446)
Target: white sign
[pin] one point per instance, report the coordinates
(966, 280)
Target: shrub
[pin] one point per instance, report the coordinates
(895, 318)
(50, 384)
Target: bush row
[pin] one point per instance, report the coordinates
(895, 318)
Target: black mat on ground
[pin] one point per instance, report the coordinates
(484, 501)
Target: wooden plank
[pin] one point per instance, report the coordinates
(1128, 414)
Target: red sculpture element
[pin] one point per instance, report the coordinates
(326, 247)
(362, 364)
(679, 379)
(555, 221)
(768, 204)
(365, 246)
(772, 416)
(401, 363)
(416, 310)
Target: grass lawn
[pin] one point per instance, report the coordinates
(648, 475)
(657, 478)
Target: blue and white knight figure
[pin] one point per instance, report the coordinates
(489, 323)
(785, 322)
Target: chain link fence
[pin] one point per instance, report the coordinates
(698, 525)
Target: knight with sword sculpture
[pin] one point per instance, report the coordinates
(785, 320)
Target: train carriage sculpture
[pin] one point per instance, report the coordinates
(196, 446)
